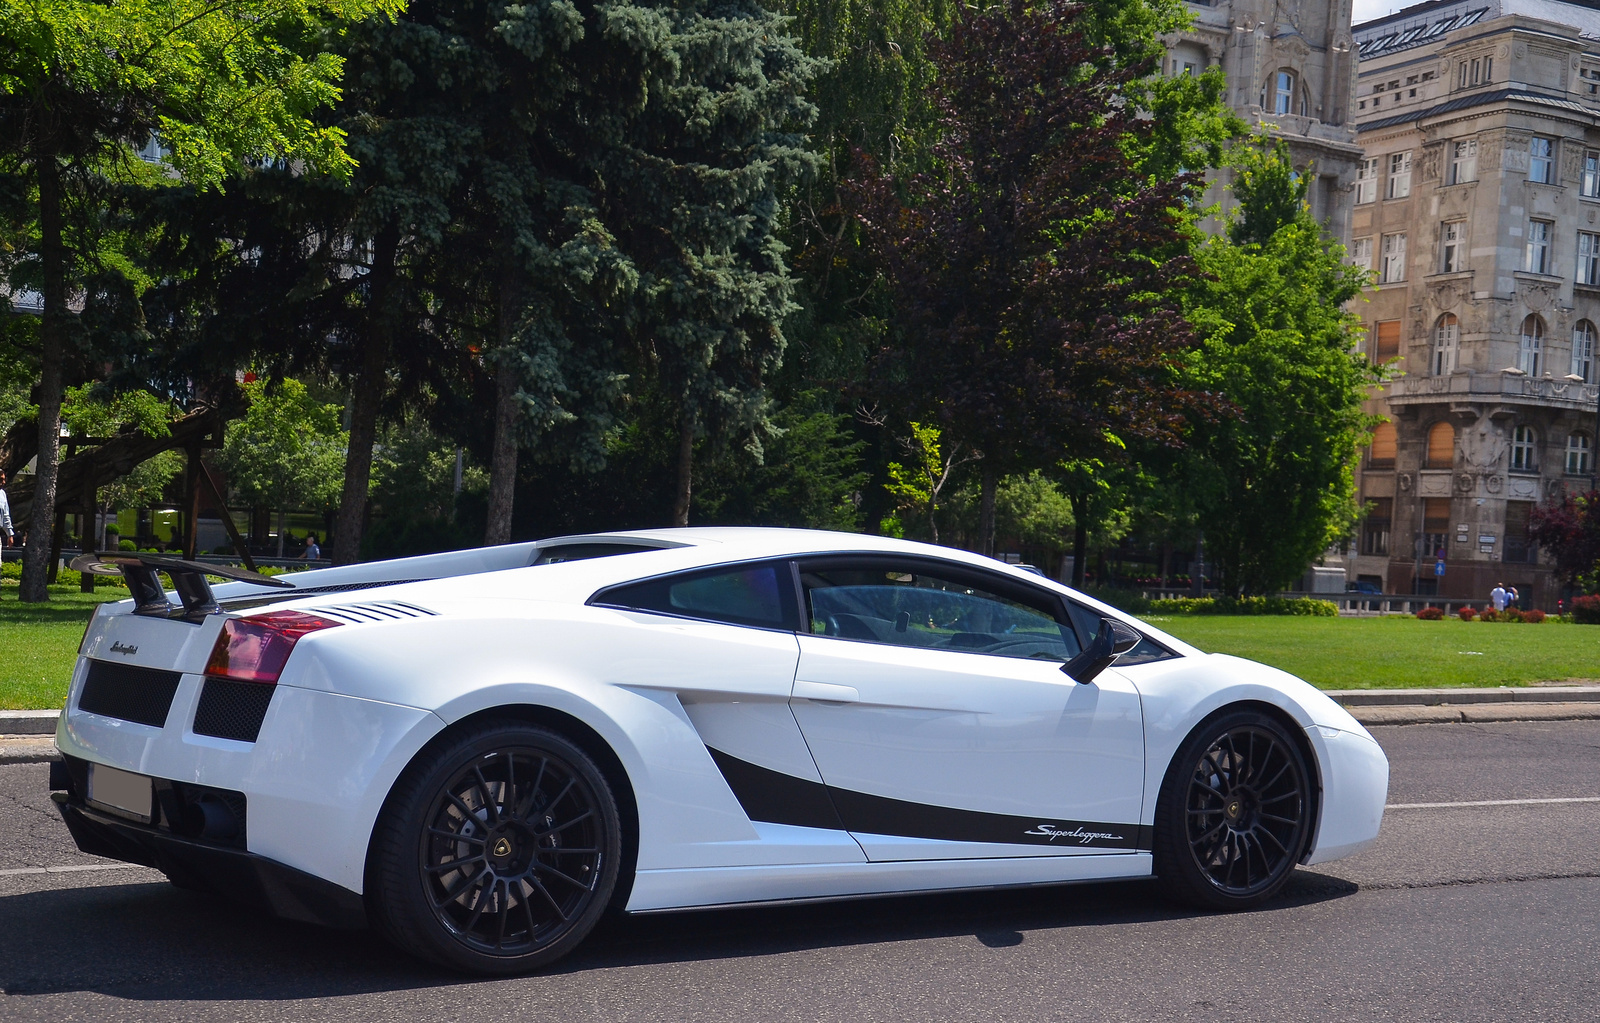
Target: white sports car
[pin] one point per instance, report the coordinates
(480, 752)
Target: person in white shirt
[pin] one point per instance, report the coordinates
(5, 513)
(1498, 597)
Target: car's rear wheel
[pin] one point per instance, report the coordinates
(497, 852)
(1233, 815)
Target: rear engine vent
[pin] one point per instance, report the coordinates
(232, 710)
(129, 692)
(377, 611)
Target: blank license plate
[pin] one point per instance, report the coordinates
(127, 793)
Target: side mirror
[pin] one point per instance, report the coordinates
(1112, 641)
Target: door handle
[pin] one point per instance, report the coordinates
(826, 692)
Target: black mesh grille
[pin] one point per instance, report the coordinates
(128, 692)
(232, 710)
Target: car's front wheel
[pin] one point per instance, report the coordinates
(1233, 815)
(497, 852)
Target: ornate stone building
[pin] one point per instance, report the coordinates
(1477, 204)
(1289, 64)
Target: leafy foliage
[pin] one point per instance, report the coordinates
(1569, 531)
(1272, 481)
(287, 451)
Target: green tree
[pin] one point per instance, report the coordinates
(1272, 481)
(918, 483)
(81, 83)
(287, 452)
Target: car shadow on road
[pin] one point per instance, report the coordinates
(153, 941)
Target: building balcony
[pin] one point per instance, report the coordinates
(1501, 387)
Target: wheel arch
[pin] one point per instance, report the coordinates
(581, 734)
(1297, 734)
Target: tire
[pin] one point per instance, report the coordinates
(533, 827)
(1234, 813)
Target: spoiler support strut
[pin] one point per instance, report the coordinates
(143, 575)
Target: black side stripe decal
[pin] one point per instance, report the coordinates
(778, 798)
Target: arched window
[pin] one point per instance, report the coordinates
(1578, 453)
(1530, 357)
(1583, 337)
(1283, 94)
(1383, 447)
(1524, 449)
(1441, 446)
(1446, 344)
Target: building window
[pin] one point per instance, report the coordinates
(1589, 77)
(1531, 351)
(1588, 258)
(1519, 548)
(1441, 446)
(1541, 160)
(1381, 455)
(1583, 338)
(1452, 246)
(1578, 454)
(1590, 185)
(1475, 71)
(1435, 527)
(1375, 527)
(1536, 254)
(1463, 161)
(1386, 341)
(1361, 253)
(1400, 175)
(1367, 180)
(1446, 344)
(1283, 93)
(1524, 450)
(1393, 267)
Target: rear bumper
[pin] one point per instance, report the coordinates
(233, 873)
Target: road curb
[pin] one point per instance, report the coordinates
(28, 749)
(1449, 714)
(1458, 697)
(28, 722)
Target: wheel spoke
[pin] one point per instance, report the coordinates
(549, 898)
(1280, 820)
(466, 811)
(1287, 763)
(1293, 794)
(440, 868)
(454, 836)
(505, 911)
(1263, 831)
(455, 892)
(482, 904)
(546, 868)
(489, 804)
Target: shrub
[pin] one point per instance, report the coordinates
(1533, 617)
(1489, 615)
(1511, 614)
(1467, 613)
(1586, 610)
(127, 545)
(112, 529)
(1304, 606)
(1431, 614)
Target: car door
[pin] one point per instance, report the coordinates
(932, 699)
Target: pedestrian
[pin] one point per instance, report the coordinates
(6, 534)
(1513, 598)
(1498, 597)
(312, 551)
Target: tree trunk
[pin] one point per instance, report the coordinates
(1080, 538)
(933, 508)
(366, 394)
(990, 478)
(1199, 580)
(680, 501)
(52, 344)
(283, 520)
(503, 464)
(503, 461)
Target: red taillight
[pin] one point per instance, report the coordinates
(254, 649)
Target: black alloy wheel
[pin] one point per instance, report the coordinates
(497, 853)
(1234, 813)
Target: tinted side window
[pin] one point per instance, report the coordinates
(757, 595)
(907, 605)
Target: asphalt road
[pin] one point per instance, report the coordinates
(1458, 913)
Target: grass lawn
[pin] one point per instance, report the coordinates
(1394, 652)
(39, 643)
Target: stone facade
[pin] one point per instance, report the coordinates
(1478, 205)
(1289, 65)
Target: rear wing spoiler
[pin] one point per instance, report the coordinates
(143, 575)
